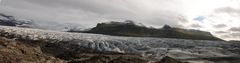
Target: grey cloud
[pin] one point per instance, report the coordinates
(233, 32)
(231, 36)
(235, 29)
(225, 36)
(221, 32)
(235, 35)
(231, 11)
(182, 19)
(196, 25)
(101, 7)
(90, 12)
(220, 26)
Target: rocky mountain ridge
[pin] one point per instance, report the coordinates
(132, 29)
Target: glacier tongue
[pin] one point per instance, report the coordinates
(154, 48)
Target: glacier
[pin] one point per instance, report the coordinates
(192, 51)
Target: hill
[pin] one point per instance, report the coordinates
(130, 28)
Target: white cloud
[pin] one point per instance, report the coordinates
(215, 12)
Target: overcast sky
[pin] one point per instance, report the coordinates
(220, 17)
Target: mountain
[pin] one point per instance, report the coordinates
(130, 28)
(7, 20)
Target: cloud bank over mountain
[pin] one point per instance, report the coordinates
(216, 16)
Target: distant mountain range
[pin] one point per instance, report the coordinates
(130, 28)
(127, 28)
(8, 20)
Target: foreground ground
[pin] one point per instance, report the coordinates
(13, 51)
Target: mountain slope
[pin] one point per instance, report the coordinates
(129, 28)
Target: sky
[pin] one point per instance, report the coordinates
(220, 17)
